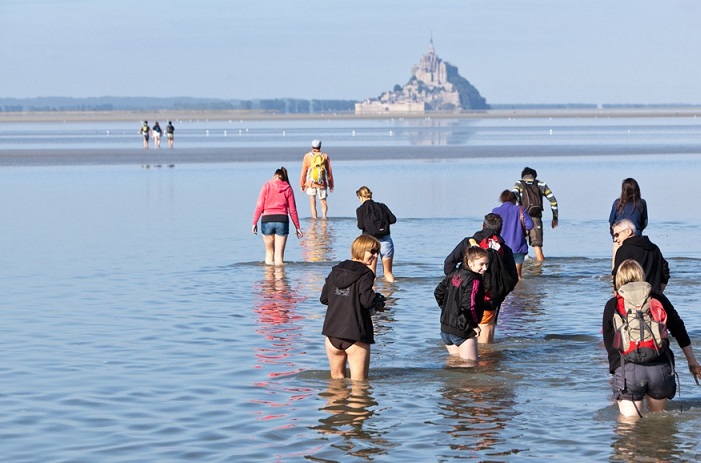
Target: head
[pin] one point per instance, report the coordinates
(365, 249)
(281, 173)
(145, 122)
(629, 270)
(528, 172)
(476, 259)
(493, 221)
(622, 230)
(170, 122)
(364, 193)
(316, 144)
(507, 196)
(630, 190)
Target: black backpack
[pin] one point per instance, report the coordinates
(375, 221)
(532, 199)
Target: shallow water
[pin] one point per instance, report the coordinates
(138, 323)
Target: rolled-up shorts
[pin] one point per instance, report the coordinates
(656, 380)
(535, 234)
(451, 339)
(275, 228)
(386, 246)
(319, 192)
(519, 257)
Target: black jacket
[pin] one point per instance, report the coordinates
(363, 220)
(349, 296)
(456, 257)
(675, 326)
(460, 296)
(647, 254)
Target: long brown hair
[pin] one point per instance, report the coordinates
(282, 173)
(630, 193)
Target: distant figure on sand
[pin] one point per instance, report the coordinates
(375, 219)
(350, 299)
(516, 223)
(275, 201)
(642, 367)
(628, 206)
(460, 295)
(316, 178)
(170, 133)
(157, 131)
(529, 194)
(145, 131)
(642, 250)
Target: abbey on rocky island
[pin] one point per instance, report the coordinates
(435, 85)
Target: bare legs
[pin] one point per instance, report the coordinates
(466, 351)
(387, 268)
(538, 253)
(274, 249)
(312, 206)
(357, 356)
(486, 335)
(631, 409)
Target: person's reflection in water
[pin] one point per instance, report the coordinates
(349, 404)
(654, 438)
(275, 307)
(477, 413)
(317, 245)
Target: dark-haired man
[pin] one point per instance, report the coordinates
(529, 194)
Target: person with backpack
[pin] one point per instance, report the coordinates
(275, 202)
(529, 193)
(170, 133)
(501, 275)
(351, 301)
(460, 295)
(636, 325)
(516, 225)
(316, 178)
(375, 219)
(145, 132)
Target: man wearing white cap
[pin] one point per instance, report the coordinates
(316, 177)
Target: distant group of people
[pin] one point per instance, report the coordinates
(479, 273)
(156, 131)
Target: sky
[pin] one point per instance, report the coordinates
(512, 51)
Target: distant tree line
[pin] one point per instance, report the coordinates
(278, 105)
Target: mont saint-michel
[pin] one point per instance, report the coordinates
(435, 85)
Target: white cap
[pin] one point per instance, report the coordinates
(316, 144)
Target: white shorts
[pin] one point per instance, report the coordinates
(320, 192)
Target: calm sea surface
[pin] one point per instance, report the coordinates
(140, 325)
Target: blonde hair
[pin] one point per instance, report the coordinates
(629, 270)
(364, 243)
(364, 193)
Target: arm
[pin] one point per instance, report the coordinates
(454, 258)
(643, 215)
(292, 206)
(390, 217)
(305, 168)
(329, 173)
(439, 292)
(359, 217)
(260, 204)
(612, 217)
(527, 219)
(608, 334)
(367, 294)
(553, 201)
(518, 187)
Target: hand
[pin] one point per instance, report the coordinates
(555, 222)
(695, 370)
(254, 229)
(299, 233)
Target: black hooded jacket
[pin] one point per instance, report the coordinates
(349, 296)
(647, 254)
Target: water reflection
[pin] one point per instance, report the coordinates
(654, 438)
(477, 410)
(317, 244)
(348, 405)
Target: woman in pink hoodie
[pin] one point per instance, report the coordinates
(275, 202)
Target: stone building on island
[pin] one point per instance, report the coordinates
(435, 85)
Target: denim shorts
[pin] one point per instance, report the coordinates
(275, 228)
(656, 380)
(519, 257)
(386, 246)
(450, 339)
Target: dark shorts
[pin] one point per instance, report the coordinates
(657, 381)
(340, 343)
(535, 234)
(450, 339)
(275, 228)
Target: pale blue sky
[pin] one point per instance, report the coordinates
(513, 51)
